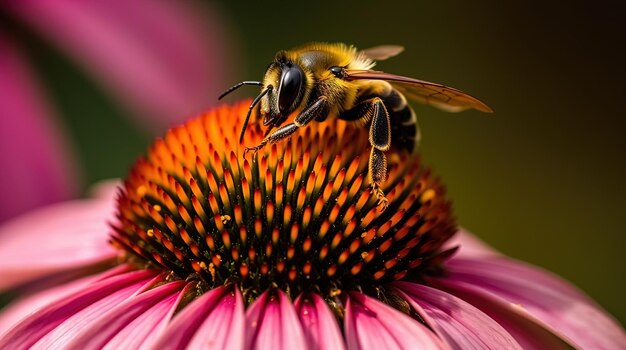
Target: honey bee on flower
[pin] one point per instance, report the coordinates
(321, 80)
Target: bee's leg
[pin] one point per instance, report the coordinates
(380, 139)
(374, 111)
(319, 107)
(378, 175)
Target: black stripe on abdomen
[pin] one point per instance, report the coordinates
(404, 128)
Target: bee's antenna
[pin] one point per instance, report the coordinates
(238, 85)
(254, 103)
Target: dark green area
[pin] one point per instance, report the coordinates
(104, 137)
(542, 179)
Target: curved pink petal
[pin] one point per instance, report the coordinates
(105, 189)
(462, 325)
(61, 238)
(213, 321)
(272, 323)
(85, 305)
(19, 309)
(37, 166)
(165, 59)
(469, 245)
(536, 294)
(318, 323)
(132, 324)
(530, 333)
(370, 324)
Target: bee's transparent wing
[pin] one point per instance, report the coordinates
(443, 97)
(382, 52)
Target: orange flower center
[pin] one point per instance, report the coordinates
(298, 215)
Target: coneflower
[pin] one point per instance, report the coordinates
(287, 249)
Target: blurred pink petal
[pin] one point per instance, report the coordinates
(22, 307)
(469, 245)
(132, 324)
(462, 325)
(537, 294)
(73, 312)
(105, 189)
(370, 324)
(272, 323)
(37, 166)
(213, 321)
(61, 238)
(318, 323)
(530, 333)
(164, 59)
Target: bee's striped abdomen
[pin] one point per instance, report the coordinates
(404, 128)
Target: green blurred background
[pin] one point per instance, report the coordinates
(541, 180)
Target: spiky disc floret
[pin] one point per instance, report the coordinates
(298, 215)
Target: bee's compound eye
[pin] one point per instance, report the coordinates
(290, 88)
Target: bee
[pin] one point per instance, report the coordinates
(322, 80)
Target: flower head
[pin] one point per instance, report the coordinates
(287, 249)
(297, 216)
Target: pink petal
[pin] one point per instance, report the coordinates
(370, 324)
(61, 238)
(105, 189)
(85, 305)
(462, 325)
(537, 295)
(165, 59)
(21, 308)
(529, 332)
(213, 321)
(134, 323)
(37, 166)
(272, 323)
(318, 323)
(470, 245)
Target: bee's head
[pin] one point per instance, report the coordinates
(285, 87)
(289, 86)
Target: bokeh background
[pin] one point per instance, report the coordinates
(542, 179)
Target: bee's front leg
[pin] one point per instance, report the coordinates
(319, 107)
